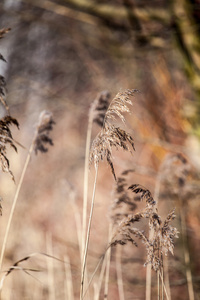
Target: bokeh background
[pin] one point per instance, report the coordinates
(60, 55)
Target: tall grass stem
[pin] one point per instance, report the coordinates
(119, 273)
(85, 188)
(186, 253)
(15, 201)
(88, 236)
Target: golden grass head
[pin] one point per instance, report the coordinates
(119, 105)
(111, 136)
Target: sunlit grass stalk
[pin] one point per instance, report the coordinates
(88, 236)
(162, 291)
(85, 192)
(100, 279)
(186, 253)
(151, 232)
(158, 286)
(166, 276)
(40, 139)
(102, 259)
(77, 218)
(108, 256)
(69, 291)
(148, 282)
(15, 200)
(50, 268)
(119, 273)
(160, 276)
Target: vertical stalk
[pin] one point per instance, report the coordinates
(85, 192)
(151, 233)
(88, 237)
(104, 265)
(119, 272)
(50, 268)
(108, 254)
(186, 254)
(158, 285)
(163, 285)
(166, 278)
(162, 274)
(15, 200)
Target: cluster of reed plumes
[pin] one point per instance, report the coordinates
(158, 235)
(163, 236)
(159, 238)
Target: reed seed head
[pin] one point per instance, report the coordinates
(162, 240)
(5, 140)
(99, 107)
(45, 125)
(3, 31)
(124, 202)
(111, 136)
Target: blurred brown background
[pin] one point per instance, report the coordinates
(60, 55)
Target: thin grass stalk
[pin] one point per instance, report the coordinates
(162, 291)
(69, 291)
(50, 267)
(166, 276)
(95, 288)
(148, 282)
(85, 188)
(186, 254)
(163, 284)
(15, 201)
(151, 232)
(77, 218)
(119, 273)
(93, 274)
(100, 279)
(148, 271)
(107, 273)
(158, 285)
(88, 236)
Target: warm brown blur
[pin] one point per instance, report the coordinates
(59, 56)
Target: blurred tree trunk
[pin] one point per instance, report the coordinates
(186, 17)
(181, 18)
(144, 28)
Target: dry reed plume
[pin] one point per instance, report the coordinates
(44, 127)
(6, 138)
(99, 108)
(111, 136)
(164, 233)
(124, 203)
(3, 31)
(180, 183)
